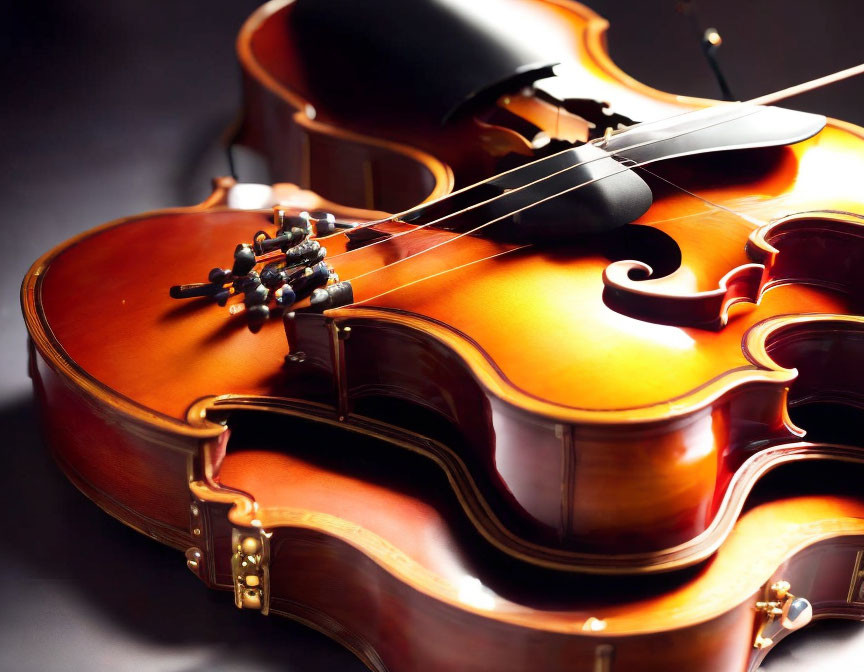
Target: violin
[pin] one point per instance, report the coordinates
(596, 352)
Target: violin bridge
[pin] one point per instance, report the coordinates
(250, 569)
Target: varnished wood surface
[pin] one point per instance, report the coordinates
(410, 537)
(394, 547)
(190, 341)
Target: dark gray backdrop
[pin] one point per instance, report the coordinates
(111, 107)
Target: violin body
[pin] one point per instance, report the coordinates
(603, 405)
(425, 596)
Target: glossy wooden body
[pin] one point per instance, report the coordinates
(389, 569)
(396, 541)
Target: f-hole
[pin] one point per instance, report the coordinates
(826, 399)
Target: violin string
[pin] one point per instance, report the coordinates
(444, 271)
(526, 207)
(483, 226)
(522, 247)
(530, 205)
(762, 100)
(741, 215)
(750, 104)
(595, 143)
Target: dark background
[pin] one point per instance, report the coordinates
(112, 107)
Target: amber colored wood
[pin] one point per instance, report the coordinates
(131, 460)
(135, 471)
(581, 418)
(521, 360)
(387, 572)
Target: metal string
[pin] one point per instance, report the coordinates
(766, 99)
(770, 98)
(595, 143)
(624, 169)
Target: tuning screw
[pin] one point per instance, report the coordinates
(324, 222)
(219, 276)
(285, 296)
(257, 316)
(332, 296)
(244, 260)
(305, 254)
(312, 277)
(273, 277)
(256, 296)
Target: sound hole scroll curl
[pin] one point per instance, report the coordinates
(824, 249)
